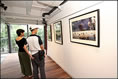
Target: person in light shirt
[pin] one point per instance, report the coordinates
(37, 50)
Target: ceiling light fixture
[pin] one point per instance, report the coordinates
(3, 6)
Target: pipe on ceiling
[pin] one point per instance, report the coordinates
(52, 10)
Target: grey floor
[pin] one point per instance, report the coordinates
(2, 57)
(10, 68)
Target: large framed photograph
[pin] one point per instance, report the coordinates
(58, 32)
(84, 29)
(49, 32)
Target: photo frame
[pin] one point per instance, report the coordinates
(58, 32)
(84, 29)
(49, 32)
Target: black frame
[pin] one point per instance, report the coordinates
(98, 31)
(50, 32)
(61, 33)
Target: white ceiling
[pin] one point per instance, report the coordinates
(27, 12)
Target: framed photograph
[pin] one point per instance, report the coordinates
(84, 29)
(49, 32)
(58, 32)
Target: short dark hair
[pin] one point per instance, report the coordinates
(19, 31)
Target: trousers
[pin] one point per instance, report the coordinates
(25, 64)
(37, 63)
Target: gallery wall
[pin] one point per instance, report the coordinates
(83, 61)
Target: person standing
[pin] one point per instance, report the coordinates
(36, 48)
(24, 55)
(91, 23)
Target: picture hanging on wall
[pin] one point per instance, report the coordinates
(84, 29)
(49, 32)
(58, 32)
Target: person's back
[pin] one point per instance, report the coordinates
(34, 42)
(36, 48)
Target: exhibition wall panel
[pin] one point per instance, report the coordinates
(83, 61)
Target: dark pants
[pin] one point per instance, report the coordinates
(25, 64)
(36, 63)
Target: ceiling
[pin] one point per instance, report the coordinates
(27, 12)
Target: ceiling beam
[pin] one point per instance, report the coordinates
(19, 15)
(26, 18)
(22, 21)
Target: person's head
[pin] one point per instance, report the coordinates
(90, 20)
(80, 27)
(34, 29)
(20, 32)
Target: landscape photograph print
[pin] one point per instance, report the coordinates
(49, 32)
(58, 32)
(84, 29)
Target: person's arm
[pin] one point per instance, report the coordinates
(42, 48)
(25, 48)
(41, 44)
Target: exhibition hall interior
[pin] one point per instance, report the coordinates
(79, 38)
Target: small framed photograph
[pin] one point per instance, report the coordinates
(84, 29)
(58, 32)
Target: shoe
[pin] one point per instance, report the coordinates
(29, 77)
(24, 77)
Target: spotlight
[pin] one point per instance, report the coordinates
(3, 6)
(59, 7)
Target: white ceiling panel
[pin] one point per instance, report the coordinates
(18, 10)
(52, 3)
(27, 10)
(57, 3)
(15, 3)
(36, 12)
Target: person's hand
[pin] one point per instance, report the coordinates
(31, 57)
(45, 53)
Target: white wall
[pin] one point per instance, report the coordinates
(82, 61)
